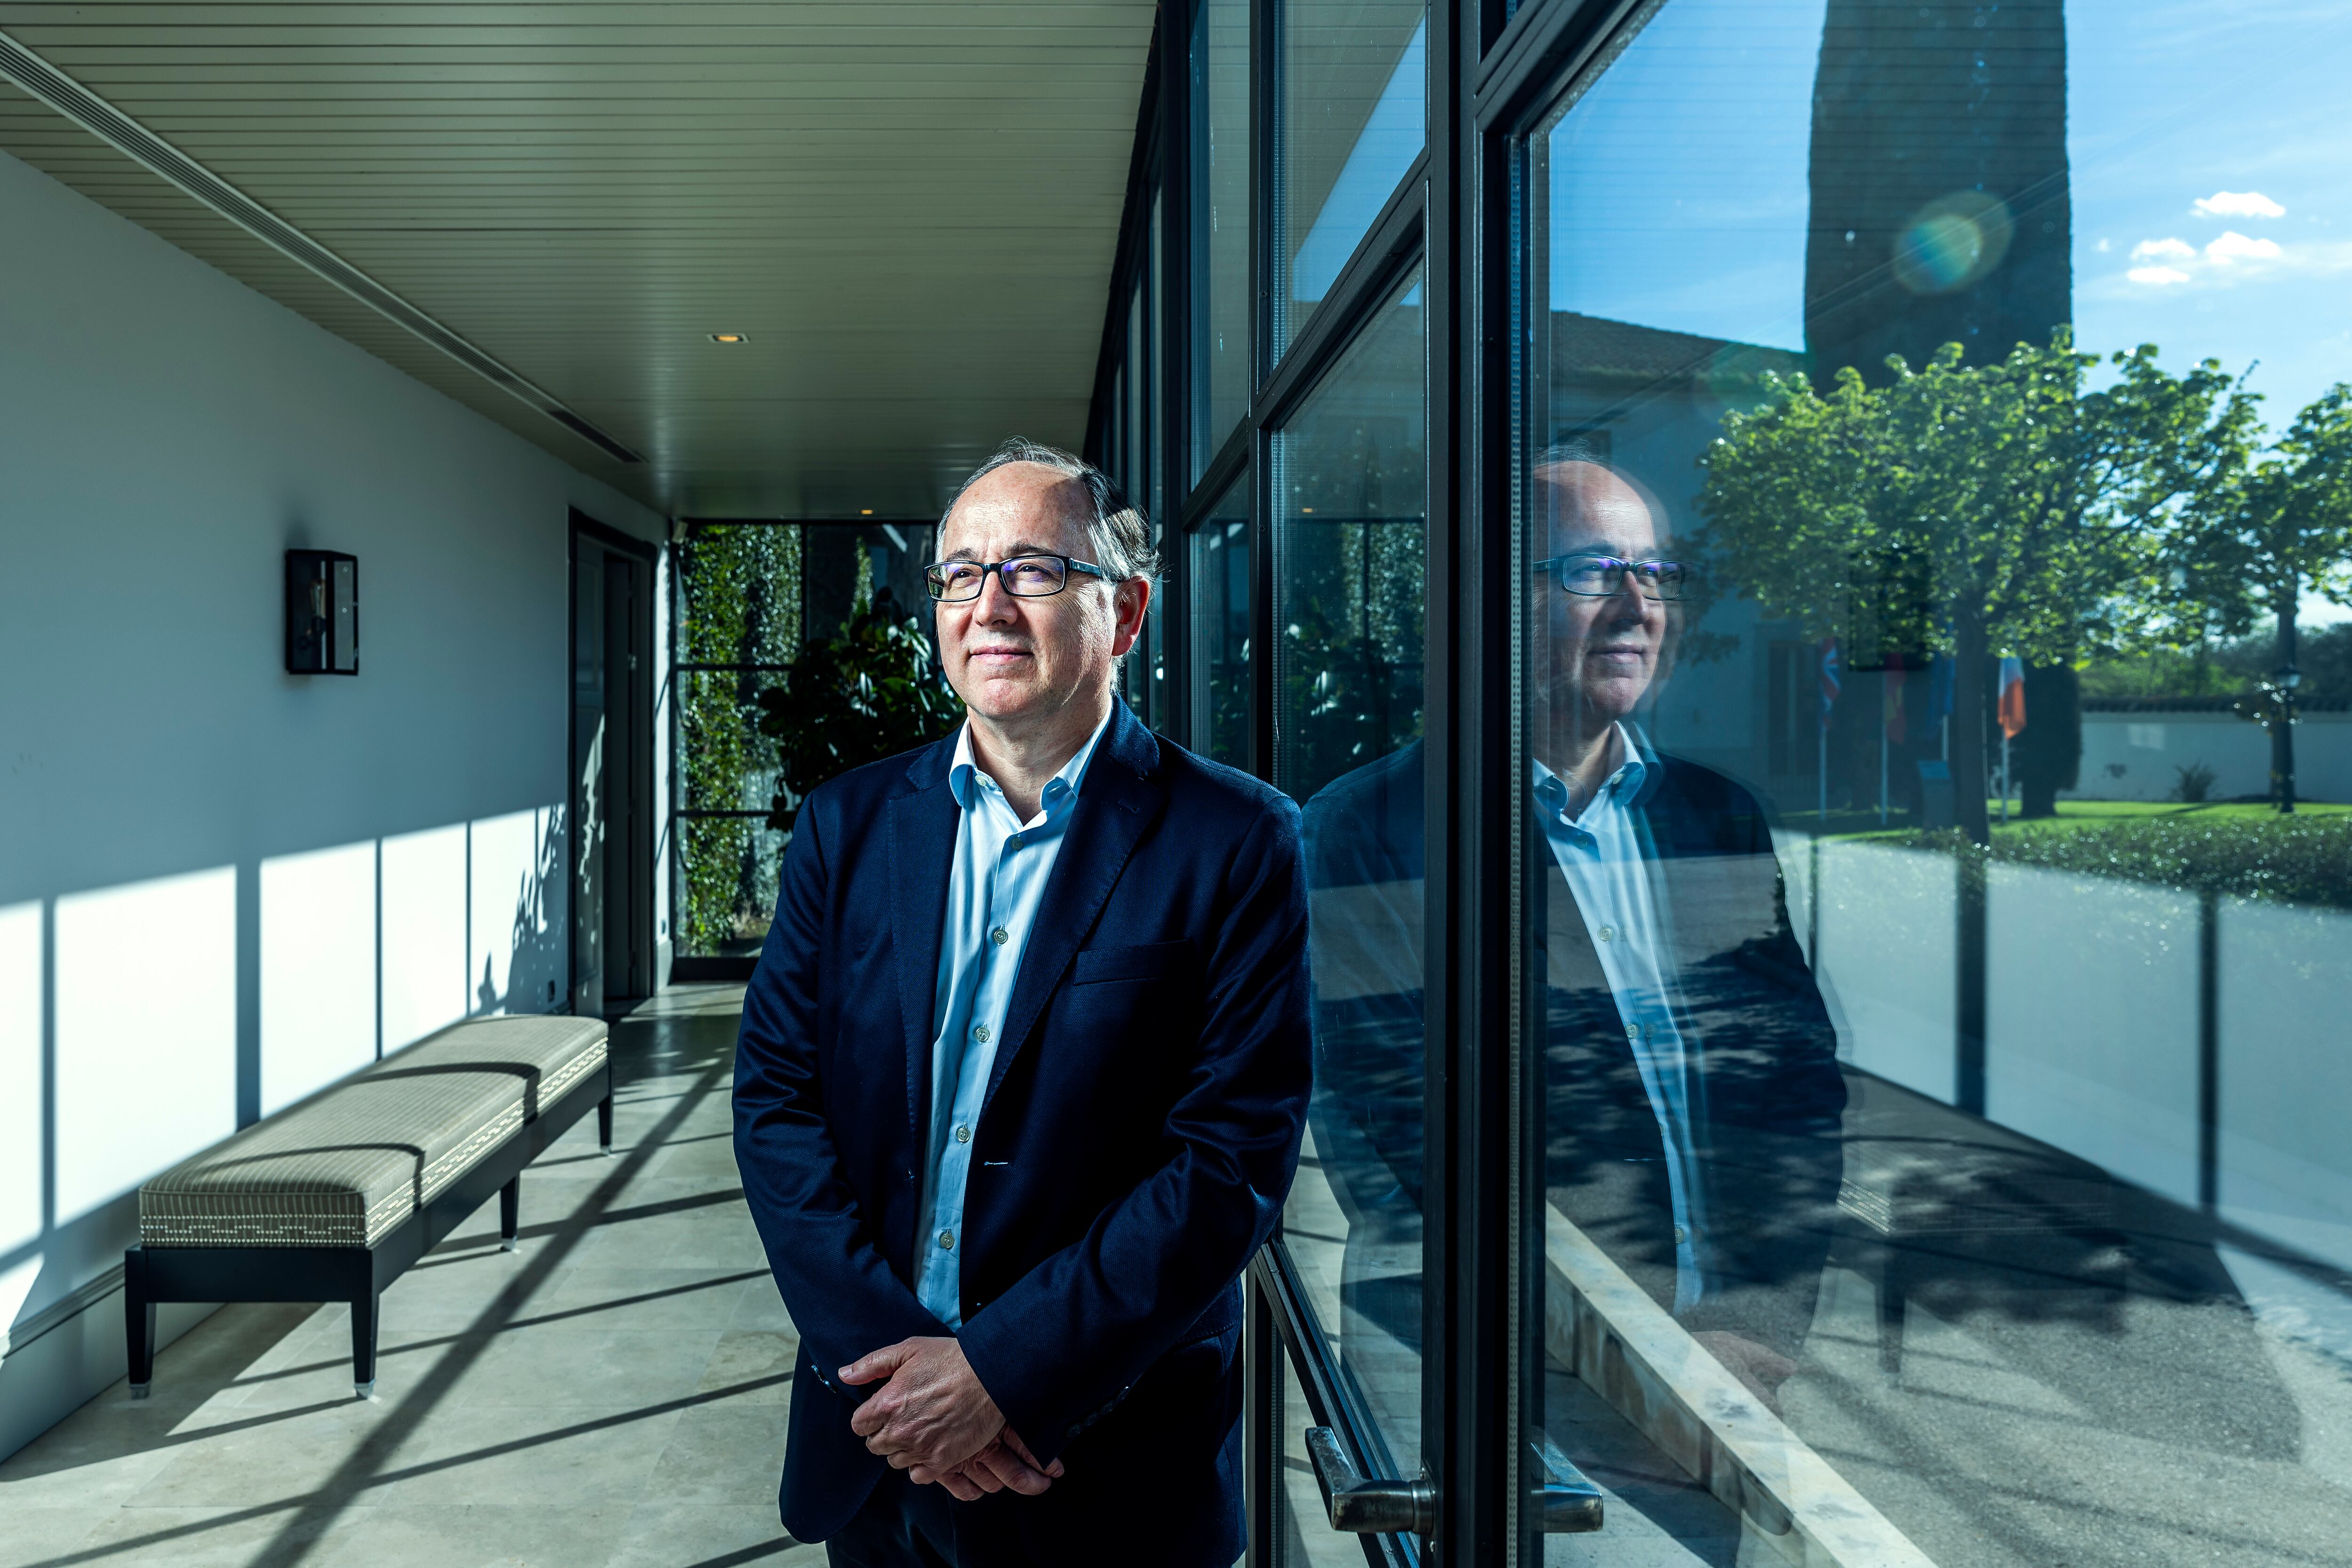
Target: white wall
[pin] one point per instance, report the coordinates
(213, 873)
(2091, 1021)
(2093, 1016)
(1887, 952)
(2138, 756)
(2286, 1075)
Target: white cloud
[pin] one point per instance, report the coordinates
(2239, 203)
(2231, 246)
(2232, 260)
(2101, 246)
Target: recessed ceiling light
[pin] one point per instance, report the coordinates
(730, 337)
(866, 512)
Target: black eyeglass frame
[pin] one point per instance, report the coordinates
(1069, 564)
(1615, 570)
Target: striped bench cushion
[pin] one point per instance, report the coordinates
(340, 1169)
(549, 1053)
(345, 1166)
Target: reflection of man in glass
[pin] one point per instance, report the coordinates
(1692, 1088)
(1692, 1094)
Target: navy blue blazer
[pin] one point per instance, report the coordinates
(1142, 1125)
(1767, 1092)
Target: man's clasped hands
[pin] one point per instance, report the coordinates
(933, 1420)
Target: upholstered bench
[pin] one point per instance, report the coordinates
(332, 1198)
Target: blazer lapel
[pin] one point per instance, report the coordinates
(1118, 800)
(922, 852)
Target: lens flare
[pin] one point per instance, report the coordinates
(1952, 242)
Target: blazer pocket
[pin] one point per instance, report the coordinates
(1152, 961)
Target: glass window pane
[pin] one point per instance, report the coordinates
(1221, 701)
(1115, 443)
(1354, 82)
(1350, 538)
(1928, 1009)
(739, 585)
(1303, 1536)
(729, 764)
(1155, 328)
(1143, 678)
(728, 868)
(1221, 225)
(1135, 476)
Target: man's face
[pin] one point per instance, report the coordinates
(1599, 652)
(1013, 659)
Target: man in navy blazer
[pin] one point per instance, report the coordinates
(1022, 1082)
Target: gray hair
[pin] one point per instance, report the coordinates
(1116, 531)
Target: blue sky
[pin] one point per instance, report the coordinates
(1390, 140)
(2211, 152)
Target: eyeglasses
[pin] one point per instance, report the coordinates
(1023, 576)
(1597, 577)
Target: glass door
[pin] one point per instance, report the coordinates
(1348, 506)
(1929, 959)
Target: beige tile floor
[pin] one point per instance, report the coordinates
(611, 1395)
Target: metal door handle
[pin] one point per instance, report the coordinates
(1565, 1503)
(1363, 1506)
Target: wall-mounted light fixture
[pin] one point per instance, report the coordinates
(323, 612)
(730, 337)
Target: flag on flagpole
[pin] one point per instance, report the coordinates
(1939, 689)
(2013, 697)
(1829, 668)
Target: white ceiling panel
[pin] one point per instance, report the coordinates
(911, 208)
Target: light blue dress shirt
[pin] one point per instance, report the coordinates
(994, 886)
(1606, 858)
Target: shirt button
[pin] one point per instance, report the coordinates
(963, 1134)
(981, 1033)
(947, 1241)
(1681, 1234)
(1608, 933)
(1000, 936)
(1013, 842)
(1633, 1031)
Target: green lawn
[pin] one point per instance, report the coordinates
(2072, 814)
(2084, 813)
(2233, 849)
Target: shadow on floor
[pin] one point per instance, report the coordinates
(611, 1395)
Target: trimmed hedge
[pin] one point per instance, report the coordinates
(2284, 860)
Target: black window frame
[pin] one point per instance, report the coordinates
(1494, 68)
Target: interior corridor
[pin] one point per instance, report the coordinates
(613, 1392)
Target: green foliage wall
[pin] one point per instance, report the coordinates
(741, 592)
(1348, 669)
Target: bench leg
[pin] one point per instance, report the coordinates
(604, 1125)
(364, 1316)
(138, 1322)
(509, 1212)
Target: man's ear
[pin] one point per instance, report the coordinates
(1129, 602)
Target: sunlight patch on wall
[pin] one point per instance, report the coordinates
(20, 1069)
(423, 933)
(516, 863)
(318, 970)
(15, 1284)
(146, 1071)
